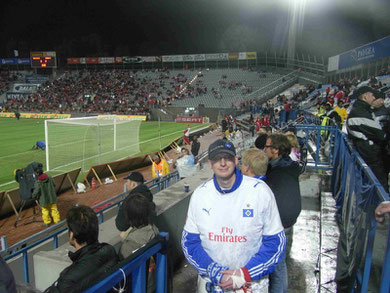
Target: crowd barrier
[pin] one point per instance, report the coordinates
(135, 265)
(357, 193)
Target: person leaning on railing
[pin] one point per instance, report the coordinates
(366, 133)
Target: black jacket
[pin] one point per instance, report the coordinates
(195, 147)
(7, 280)
(283, 179)
(90, 263)
(120, 220)
(365, 132)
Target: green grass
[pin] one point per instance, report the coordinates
(18, 137)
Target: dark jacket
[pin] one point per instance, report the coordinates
(120, 221)
(283, 179)
(7, 280)
(365, 132)
(44, 190)
(89, 264)
(195, 147)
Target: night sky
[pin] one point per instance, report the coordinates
(85, 28)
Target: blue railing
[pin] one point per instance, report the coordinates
(320, 141)
(23, 247)
(135, 266)
(357, 193)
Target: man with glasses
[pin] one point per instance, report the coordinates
(283, 178)
(233, 235)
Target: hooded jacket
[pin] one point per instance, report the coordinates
(44, 190)
(283, 179)
(120, 220)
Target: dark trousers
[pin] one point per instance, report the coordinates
(378, 168)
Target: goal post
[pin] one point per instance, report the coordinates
(83, 142)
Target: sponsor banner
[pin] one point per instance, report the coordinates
(216, 57)
(8, 61)
(43, 54)
(366, 53)
(15, 61)
(17, 95)
(242, 56)
(189, 119)
(251, 55)
(106, 60)
(25, 88)
(118, 60)
(36, 78)
(172, 58)
(188, 58)
(199, 57)
(89, 60)
(35, 115)
(151, 59)
(233, 56)
(127, 59)
(73, 61)
(124, 117)
(196, 57)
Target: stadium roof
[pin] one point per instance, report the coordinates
(158, 27)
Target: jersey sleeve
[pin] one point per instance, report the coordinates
(191, 242)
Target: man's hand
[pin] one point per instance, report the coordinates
(381, 210)
(232, 279)
(377, 103)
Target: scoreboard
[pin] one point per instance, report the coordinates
(43, 59)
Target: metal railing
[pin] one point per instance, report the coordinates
(135, 265)
(357, 192)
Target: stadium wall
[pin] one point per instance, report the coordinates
(212, 113)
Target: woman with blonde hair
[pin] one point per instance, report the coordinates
(295, 155)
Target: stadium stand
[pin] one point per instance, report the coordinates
(124, 91)
(135, 92)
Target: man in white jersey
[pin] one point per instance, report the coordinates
(233, 235)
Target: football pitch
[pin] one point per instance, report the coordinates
(18, 137)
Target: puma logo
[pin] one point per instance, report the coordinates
(207, 211)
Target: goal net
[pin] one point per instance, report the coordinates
(83, 142)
